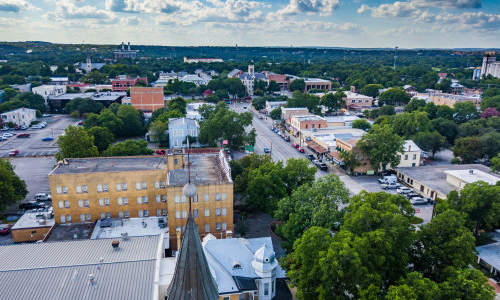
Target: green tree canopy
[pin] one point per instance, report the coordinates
(430, 141)
(394, 96)
(76, 143)
(361, 124)
(414, 287)
(178, 104)
(465, 111)
(83, 105)
(133, 121)
(333, 102)
(371, 90)
(491, 102)
(382, 146)
(300, 99)
(12, 188)
(103, 137)
(446, 128)
(467, 284)
(276, 113)
(128, 148)
(297, 85)
(468, 149)
(408, 124)
(105, 119)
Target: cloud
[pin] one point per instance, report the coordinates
(132, 21)
(322, 7)
(414, 7)
(465, 21)
(68, 10)
(448, 3)
(13, 5)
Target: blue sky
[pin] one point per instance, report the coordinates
(342, 23)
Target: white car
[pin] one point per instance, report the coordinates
(8, 134)
(36, 127)
(390, 186)
(403, 190)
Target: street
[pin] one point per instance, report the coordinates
(33, 145)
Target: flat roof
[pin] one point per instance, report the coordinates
(109, 164)
(293, 108)
(491, 254)
(34, 220)
(473, 175)
(309, 118)
(96, 96)
(341, 118)
(132, 226)
(435, 176)
(205, 169)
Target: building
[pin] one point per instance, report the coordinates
(299, 123)
(488, 258)
(248, 79)
(89, 66)
(32, 227)
(450, 99)
(179, 129)
(164, 78)
(127, 268)
(357, 101)
(476, 74)
(411, 155)
(197, 79)
(47, 91)
(23, 88)
(59, 80)
(350, 144)
(106, 98)
(324, 141)
(342, 121)
(202, 60)
(245, 268)
(20, 117)
(288, 112)
(147, 99)
(490, 66)
(89, 189)
(437, 181)
(125, 53)
(123, 82)
(192, 110)
(271, 105)
(234, 73)
(278, 78)
(317, 84)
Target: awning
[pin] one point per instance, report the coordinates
(316, 147)
(336, 158)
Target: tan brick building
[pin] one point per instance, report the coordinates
(89, 189)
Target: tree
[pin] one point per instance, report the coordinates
(302, 264)
(32, 101)
(394, 96)
(414, 105)
(103, 137)
(480, 202)
(333, 102)
(259, 85)
(467, 284)
(446, 128)
(212, 99)
(430, 141)
(371, 90)
(305, 100)
(490, 112)
(157, 130)
(491, 92)
(178, 104)
(408, 124)
(445, 112)
(296, 173)
(169, 114)
(83, 105)
(444, 245)
(12, 188)
(259, 103)
(240, 170)
(128, 148)
(361, 124)
(350, 161)
(105, 119)
(276, 113)
(496, 163)
(444, 85)
(273, 86)
(382, 145)
(297, 85)
(76, 143)
(468, 149)
(133, 121)
(313, 204)
(465, 111)
(265, 187)
(235, 87)
(414, 287)
(493, 102)
(490, 143)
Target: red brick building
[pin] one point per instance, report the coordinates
(123, 82)
(147, 99)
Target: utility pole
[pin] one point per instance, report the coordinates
(395, 56)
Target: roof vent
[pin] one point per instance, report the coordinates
(471, 171)
(125, 236)
(115, 244)
(92, 278)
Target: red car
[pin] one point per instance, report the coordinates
(23, 135)
(160, 151)
(5, 229)
(80, 123)
(13, 152)
(301, 150)
(296, 146)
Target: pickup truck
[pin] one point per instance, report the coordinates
(321, 165)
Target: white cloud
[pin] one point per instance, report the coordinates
(414, 7)
(465, 21)
(68, 10)
(295, 7)
(13, 5)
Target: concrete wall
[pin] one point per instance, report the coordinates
(30, 234)
(420, 187)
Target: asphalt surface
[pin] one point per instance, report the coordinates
(33, 146)
(34, 171)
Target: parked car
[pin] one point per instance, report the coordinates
(387, 179)
(296, 146)
(8, 134)
(45, 115)
(42, 197)
(301, 150)
(322, 166)
(260, 117)
(80, 123)
(160, 151)
(267, 150)
(418, 201)
(5, 229)
(287, 138)
(310, 157)
(390, 186)
(48, 139)
(411, 195)
(403, 190)
(23, 135)
(13, 152)
(5, 128)
(24, 127)
(30, 205)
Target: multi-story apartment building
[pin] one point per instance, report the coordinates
(89, 189)
(123, 82)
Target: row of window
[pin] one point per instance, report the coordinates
(219, 211)
(206, 198)
(121, 214)
(414, 156)
(105, 187)
(218, 226)
(120, 201)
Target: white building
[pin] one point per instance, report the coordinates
(179, 129)
(59, 80)
(47, 91)
(249, 78)
(199, 79)
(271, 105)
(21, 116)
(476, 74)
(411, 155)
(490, 67)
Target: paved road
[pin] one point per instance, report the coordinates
(34, 146)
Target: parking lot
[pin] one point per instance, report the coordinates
(34, 171)
(33, 145)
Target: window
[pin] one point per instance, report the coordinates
(127, 214)
(158, 198)
(108, 215)
(66, 203)
(217, 226)
(144, 186)
(176, 161)
(105, 187)
(86, 203)
(206, 197)
(177, 214)
(195, 198)
(82, 217)
(266, 289)
(163, 212)
(101, 202)
(224, 211)
(84, 188)
(61, 204)
(158, 212)
(119, 201)
(145, 199)
(195, 213)
(157, 185)
(184, 214)
(139, 213)
(88, 217)
(163, 198)
(139, 199)
(124, 186)
(138, 186)
(224, 196)
(78, 189)
(65, 190)
(406, 156)
(224, 226)
(217, 197)
(207, 227)
(146, 213)
(106, 201)
(120, 214)
(68, 218)
(58, 189)
(99, 188)
(125, 200)
(183, 199)
(178, 229)
(80, 203)
(63, 219)
(177, 198)
(162, 184)
(207, 212)
(414, 156)
(118, 187)
(217, 211)
(272, 286)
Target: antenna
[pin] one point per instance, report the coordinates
(395, 56)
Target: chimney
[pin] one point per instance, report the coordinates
(115, 244)
(353, 89)
(128, 46)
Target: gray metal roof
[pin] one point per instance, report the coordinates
(80, 252)
(205, 169)
(110, 164)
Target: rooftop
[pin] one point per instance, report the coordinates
(308, 118)
(109, 164)
(473, 175)
(491, 254)
(34, 220)
(341, 118)
(307, 80)
(205, 169)
(410, 145)
(131, 226)
(435, 176)
(18, 109)
(96, 96)
(293, 108)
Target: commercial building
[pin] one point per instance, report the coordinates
(23, 88)
(192, 110)
(317, 84)
(84, 269)
(342, 121)
(354, 101)
(20, 117)
(349, 143)
(47, 91)
(324, 141)
(490, 66)
(89, 189)
(280, 79)
(235, 73)
(59, 80)
(299, 123)
(197, 79)
(410, 156)
(202, 60)
(123, 82)
(488, 257)
(288, 112)
(147, 99)
(450, 99)
(179, 129)
(271, 105)
(106, 98)
(437, 181)
(125, 53)
(32, 227)
(476, 73)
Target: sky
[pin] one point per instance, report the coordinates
(331, 23)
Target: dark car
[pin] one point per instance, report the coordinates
(48, 139)
(301, 150)
(267, 150)
(322, 166)
(30, 205)
(287, 138)
(310, 157)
